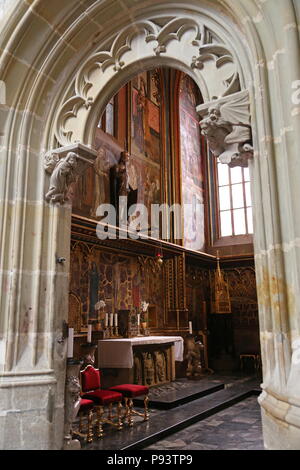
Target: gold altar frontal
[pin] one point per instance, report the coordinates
(142, 360)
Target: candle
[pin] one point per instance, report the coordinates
(106, 320)
(89, 336)
(116, 319)
(111, 323)
(190, 327)
(139, 319)
(70, 342)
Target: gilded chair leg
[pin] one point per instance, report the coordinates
(99, 421)
(129, 416)
(119, 413)
(146, 411)
(90, 427)
(126, 408)
(80, 421)
(110, 411)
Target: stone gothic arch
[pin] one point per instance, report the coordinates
(61, 65)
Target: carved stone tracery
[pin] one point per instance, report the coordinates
(201, 50)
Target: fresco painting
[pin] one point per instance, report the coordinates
(192, 171)
(116, 279)
(94, 187)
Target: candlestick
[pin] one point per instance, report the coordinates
(111, 323)
(116, 319)
(70, 342)
(190, 327)
(106, 320)
(89, 336)
(138, 319)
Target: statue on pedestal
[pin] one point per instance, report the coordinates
(72, 403)
(193, 356)
(148, 369)
(120, 187)
(63, 173)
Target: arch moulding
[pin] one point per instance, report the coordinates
(62, 70)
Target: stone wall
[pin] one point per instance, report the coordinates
(47, 54)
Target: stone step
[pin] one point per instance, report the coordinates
(163, 423)
(189, 414)
(174, 397)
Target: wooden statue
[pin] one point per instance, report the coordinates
(193, 356)
(120, 187)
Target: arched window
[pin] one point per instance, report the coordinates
(233, 201)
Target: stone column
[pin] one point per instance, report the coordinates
(275, 190)
(35, 282)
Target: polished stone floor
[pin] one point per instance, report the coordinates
(236, 428)
(223, 414)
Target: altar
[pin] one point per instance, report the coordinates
(145, 360)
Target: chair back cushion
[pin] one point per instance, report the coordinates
(90, 379)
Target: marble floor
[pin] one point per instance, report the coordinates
(236, 428)
(227, 418)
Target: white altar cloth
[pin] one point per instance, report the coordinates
(118, 354)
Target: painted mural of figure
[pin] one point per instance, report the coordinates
(94, 285)
(138, 121)
(151, 190)
(101, 165)
(120, 187)
(123, 189)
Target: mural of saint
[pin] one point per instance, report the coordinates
(191, 164)
(101, 167)
(138, 116)
(94, 284)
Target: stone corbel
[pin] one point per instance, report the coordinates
(64, 165)
(226, 123)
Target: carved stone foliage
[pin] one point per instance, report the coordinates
(75, 312)
(184, 39)
(226, 125)
(64, 165)
(198, 276)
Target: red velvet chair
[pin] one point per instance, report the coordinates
(130, 391)
(86, 410)
(91, 390)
